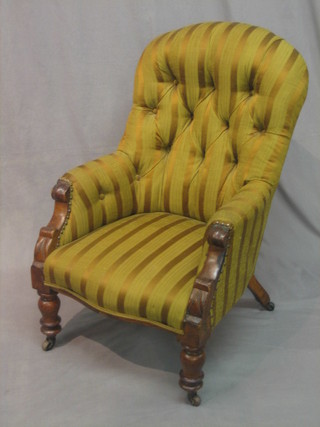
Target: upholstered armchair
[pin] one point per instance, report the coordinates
(166, 230)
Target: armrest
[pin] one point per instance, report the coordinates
(245, 215)
(229, 255)
(252, 201)
(86, 197)
(101, 191)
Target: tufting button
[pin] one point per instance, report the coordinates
(155, 110)
(175, 82)
(101, 196)
(259, 127)
(138, 177)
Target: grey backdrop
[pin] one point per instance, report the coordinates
(67, 71)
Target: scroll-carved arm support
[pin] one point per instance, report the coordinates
(49, 235)
(197, 320)
(197, 316)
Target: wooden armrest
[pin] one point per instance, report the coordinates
(49, 235)
(198, 310)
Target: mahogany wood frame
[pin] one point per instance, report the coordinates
(197, 327)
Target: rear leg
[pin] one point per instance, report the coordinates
(260, 294)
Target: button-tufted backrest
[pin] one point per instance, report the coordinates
(214, 108)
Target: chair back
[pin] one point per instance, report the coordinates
(214, 108)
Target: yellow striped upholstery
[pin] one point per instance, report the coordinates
(142, 266)
(214, 108)
(102, 192)
(222, 92)
(247, 212)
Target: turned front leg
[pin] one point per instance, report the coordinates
(191, 374)
(49, 304)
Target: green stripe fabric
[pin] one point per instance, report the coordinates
(211, 92)
(247, 214)
(142, 266)
(102, 192)
(214, 108)
(225, 93)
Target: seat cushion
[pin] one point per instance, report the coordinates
(141, 267)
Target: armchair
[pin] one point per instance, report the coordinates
(166, 231)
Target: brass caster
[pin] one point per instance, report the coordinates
(269, 306)
(48, 343)
(193, 398)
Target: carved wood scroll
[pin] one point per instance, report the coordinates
(49, 235)
(197, 320)
(197, 325)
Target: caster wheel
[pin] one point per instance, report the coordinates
(194, 399)
(48, 343)
(269, 306)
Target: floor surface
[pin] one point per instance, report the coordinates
(262, 368)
